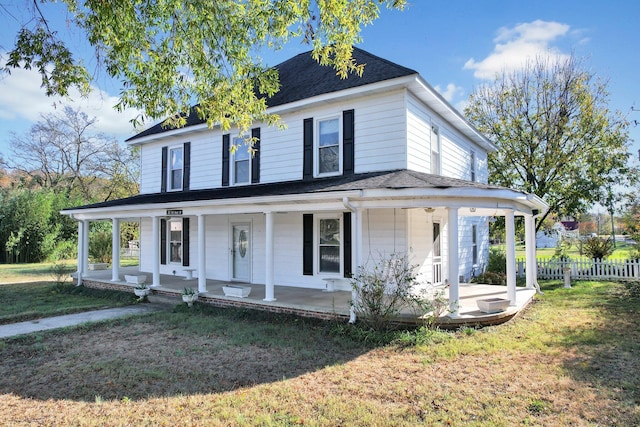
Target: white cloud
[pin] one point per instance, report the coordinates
(514, 46)
(450, 92)
(23, 100)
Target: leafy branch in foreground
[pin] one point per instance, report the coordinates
(173, 54)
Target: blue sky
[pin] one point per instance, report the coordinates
(454, 45)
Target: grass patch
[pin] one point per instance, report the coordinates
(20, 273)
(569, 359)
(28, 301)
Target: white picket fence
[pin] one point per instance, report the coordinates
(585, 269)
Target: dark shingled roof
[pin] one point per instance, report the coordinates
(398, 179)
(302, 77)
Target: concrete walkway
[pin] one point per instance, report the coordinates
(15, 329)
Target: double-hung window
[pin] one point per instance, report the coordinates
(241, 162)
(176, 168)
(175, 240)
(328, 147)
(472, 165)
(435, 150)
(329, 238)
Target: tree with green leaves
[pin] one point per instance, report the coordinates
(555, 133)
(172, 54)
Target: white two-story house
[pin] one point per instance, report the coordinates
(366, 167)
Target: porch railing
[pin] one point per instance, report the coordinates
(584, 269)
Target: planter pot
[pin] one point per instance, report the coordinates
(492, 305)
(190, 299)
(136, 279)
(236, 291)
(141, 293)
(98, 266)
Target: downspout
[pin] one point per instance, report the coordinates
(352, 312)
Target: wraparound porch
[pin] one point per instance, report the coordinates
(315, 302)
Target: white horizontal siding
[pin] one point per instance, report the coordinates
(454, 156)
(380, 132)
(418, 136)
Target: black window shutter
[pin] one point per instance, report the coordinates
(255, 161)
(163, 241)
(163, 178)
(186, 172)
(307, 244)
(348, 269)
(225, 160)
(307, 162)
(347, 143)
(185, 242)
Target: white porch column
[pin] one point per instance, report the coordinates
(511, 256)
(80, 271)
(155, 227)
(356, 245)
(269, 294)
(530, 246)
(202, 256)
(85, 246)
(115, 250)
(453, 262)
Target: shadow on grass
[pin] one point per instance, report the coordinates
(605, 336)
(186, 351)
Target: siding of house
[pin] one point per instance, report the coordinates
(418, 135)
(380, 132)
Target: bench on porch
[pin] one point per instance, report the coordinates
(188, 273)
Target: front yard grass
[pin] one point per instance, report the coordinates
(28, 301)
(569, 359)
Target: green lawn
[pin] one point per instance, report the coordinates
(35, 300)
(571, 358)
(18, 273)
(621, 251)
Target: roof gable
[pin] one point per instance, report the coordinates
(302, 77)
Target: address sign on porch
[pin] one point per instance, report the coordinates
(174, 211)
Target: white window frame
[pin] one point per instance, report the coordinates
(474, 244)
(316, 146)
(436, 151)
(316, 245)
(472, 165)
(170, 169)
(169, 241)
(240, 144)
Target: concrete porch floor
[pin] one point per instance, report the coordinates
(318, 303)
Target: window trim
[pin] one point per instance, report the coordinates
(316, 244)
(474, 244)
(472, 166)
(316, 145)
(435, 130)
(180, 221)
(170, 169)
(239, 142)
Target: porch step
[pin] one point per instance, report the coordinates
(164, 299)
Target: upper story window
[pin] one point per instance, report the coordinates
(328, 147)
(176, 168)
(472, 165)
(435, 150)
(241, 162)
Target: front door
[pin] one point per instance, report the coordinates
(241, 252)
